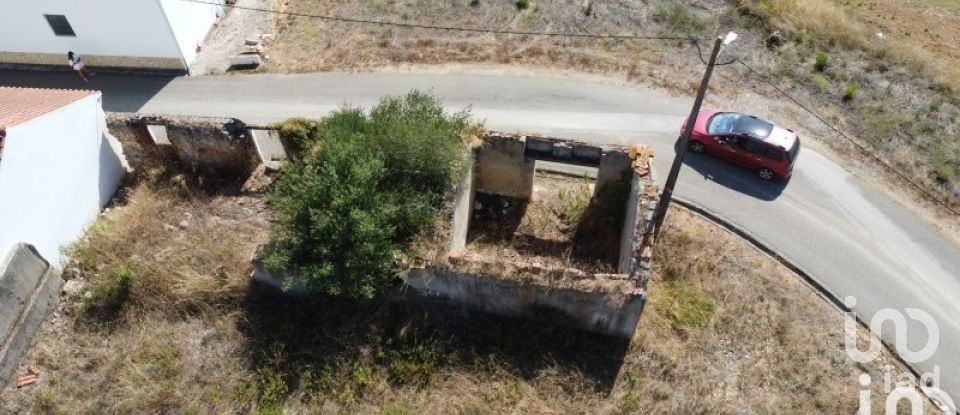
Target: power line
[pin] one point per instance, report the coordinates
(446, 28)
(861, 147)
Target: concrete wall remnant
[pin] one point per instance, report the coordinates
(463, 208)
(605, 303)
(221, 146)
(269, 147)
(28, 287)
(597, 312)
(503, 168)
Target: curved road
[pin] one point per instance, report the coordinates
(850, 238)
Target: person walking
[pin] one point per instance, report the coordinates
(77, 64)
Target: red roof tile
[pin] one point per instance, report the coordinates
(22, 104)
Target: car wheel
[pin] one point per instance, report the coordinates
(697, 147)
(765, 173)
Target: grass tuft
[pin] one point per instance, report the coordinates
(690, 308)
(851, 93)
(678, 18)
(821, 62)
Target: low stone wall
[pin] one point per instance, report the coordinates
(220, 146)
(28, 287)
(601, 312)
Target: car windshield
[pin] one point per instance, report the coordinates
(734, 123)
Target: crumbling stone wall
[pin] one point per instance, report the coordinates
(606, 303)
(218, 146)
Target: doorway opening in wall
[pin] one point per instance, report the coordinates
(563, 224)
(60, 25)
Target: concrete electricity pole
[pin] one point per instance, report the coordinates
(667, 195)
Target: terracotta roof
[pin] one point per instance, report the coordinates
(22, 104)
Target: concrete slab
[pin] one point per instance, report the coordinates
(269, 147)
(244, 60)
(35, 311)
(20, 274)
(158, 133)
(28, 287)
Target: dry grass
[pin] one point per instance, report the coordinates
(736, 330)
(310, 44)
(727, 330)
(830, 26)
(152, 328)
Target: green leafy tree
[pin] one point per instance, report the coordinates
(365, 185)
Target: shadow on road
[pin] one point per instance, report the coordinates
(121, 93)
(733, 176)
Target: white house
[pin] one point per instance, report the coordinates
(155, 34)
(58, 167)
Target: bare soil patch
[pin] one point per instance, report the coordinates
(547, 230)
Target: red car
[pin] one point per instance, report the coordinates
(746, 140)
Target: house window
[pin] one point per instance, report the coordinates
(60, 25)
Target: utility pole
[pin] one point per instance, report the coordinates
(667, 195)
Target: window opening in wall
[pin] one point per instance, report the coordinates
(60, 25)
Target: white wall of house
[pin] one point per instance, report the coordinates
(58, 170)
(190, 23)
(103, 27)
(132, 28)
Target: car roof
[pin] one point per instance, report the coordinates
(779, 136)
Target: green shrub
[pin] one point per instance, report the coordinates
(523, 4)
(821, 62)
(678, 19)
(851, 92)
(364, 187)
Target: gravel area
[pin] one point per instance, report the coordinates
(227, 37)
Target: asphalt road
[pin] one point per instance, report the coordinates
(852, 239)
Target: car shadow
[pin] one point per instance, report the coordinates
(122, 92)
(733, 176)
